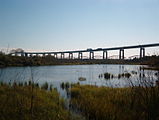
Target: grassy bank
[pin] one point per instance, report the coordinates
(7, 60)
(102, 103)
(22, 102)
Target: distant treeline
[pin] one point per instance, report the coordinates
(8, 60)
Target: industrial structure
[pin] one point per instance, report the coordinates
(90, 51)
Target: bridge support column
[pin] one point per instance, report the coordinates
(70, 55)
(43, 54)
(121, 54)
(105, 55)
(80, 55)
(91, 55)
(142, 52)
(22, 54)
(62, 56)
(26, 54)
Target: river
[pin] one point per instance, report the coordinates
(55, 75)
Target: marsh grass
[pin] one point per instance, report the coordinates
(66, 85)
(108, 76)
(103, 103)
(15, 103)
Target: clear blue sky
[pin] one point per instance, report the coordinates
(77, 24)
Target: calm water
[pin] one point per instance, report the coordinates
(55, 75)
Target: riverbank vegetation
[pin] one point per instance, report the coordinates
(8, 60)
(22, 102)
(103, 103)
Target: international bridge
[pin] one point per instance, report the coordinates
(90, 51)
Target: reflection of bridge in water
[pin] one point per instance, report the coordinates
(91, 52)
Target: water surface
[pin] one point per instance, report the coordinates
(55, 75)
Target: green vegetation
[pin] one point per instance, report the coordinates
(65, 85)
(29, 102)
(45, 86)
(126, 75)
(109, 76)
(7, 60)
(103, 103)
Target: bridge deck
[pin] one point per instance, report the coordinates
(101, 49)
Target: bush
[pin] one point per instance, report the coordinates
(45, 86)
(103, 103)
(16, 104)
(107, 75)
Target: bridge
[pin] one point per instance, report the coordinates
(90, 51)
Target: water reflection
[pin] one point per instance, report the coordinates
(55, 75)
(121, 69)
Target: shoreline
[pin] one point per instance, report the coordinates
(18, 61)
(70, 64)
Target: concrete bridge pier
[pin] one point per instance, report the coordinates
(26, 54)
(43, 54)
(121, 54)
(142, 52)
(22, 54)
(80, 55)
(105, 55)
(91, 55)
(62, 56)
(70, 55)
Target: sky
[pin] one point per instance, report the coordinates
(58, 25)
